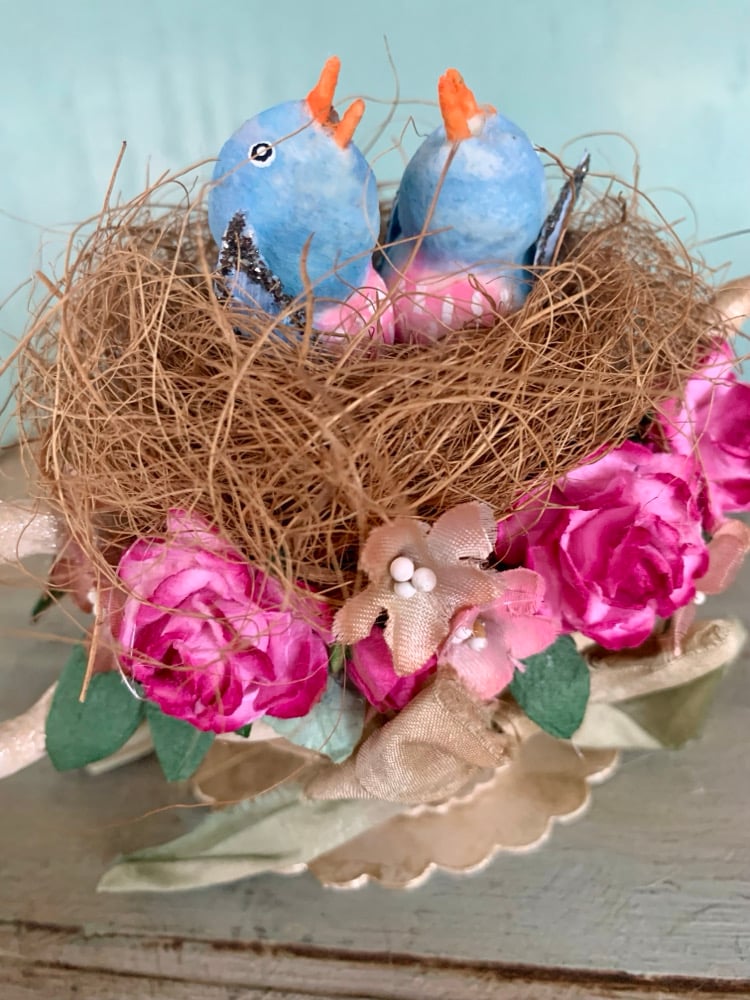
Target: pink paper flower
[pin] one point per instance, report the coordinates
(370, 668)
(712, 423)
(486, 643)
(618, 543)
(212, 640)
(420, 576)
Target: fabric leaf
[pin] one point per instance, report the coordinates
(553, 689)
(180, 747)
(44, 602)
(277, 831)
(79, 733)
(607, 726)
(675, 716)
(661, 720)
(333, 725)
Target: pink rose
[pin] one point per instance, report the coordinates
(370, 668)
(212, 640)
(712, 423)
(618, 544)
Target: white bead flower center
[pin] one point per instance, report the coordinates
(475, 638)
(409, 579)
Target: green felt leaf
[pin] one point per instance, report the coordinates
(43, 602)
(244, 730)
(180, 747)
(333, 726)
(553, 690)
(279, 830)
(79, 733)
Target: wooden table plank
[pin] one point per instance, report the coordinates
(47, 957)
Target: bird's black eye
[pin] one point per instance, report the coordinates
(261, 154)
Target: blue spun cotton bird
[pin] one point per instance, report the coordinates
(292, 194)
(469, 208)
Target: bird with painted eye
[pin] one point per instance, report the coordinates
(294, 208)
(467, 213)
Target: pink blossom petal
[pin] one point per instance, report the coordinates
(726, 551)
(513, 626)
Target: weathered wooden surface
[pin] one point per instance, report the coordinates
(188, 970)
(653, 882)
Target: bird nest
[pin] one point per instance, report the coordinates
(141, 396)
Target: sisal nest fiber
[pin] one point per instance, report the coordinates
(140, 395)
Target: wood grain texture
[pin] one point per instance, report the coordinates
(653, 881)
(62, 983)
(112, 966)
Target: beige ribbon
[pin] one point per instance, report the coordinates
(26, 532)
(632, 673)
(440, 743)
(22, 739)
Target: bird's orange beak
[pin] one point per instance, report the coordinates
(458, 106)
(320, 102)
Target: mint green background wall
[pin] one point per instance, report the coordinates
(175, 77)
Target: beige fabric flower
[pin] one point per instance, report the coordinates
(420, 576)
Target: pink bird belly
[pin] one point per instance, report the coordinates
(368, 308)
(428, 306)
